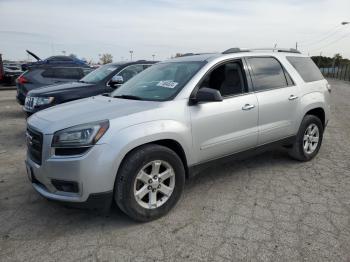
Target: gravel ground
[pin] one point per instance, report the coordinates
(267, 208)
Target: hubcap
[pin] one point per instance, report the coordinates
(154, 184)
(311, 138)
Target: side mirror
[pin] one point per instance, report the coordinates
(116, 80)
(206, 94)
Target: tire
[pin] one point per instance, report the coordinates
(298, 151)
(146, 158)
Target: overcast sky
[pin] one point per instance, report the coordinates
(88, 28)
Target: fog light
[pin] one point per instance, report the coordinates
(65, 186)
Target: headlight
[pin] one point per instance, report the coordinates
(40, 101)
(81, 135)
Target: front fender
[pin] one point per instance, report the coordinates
(133, 136)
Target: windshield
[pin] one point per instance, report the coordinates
(99, 74)
(159, 82)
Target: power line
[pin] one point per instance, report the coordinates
(323, 38)
(330, 43)
(320, 35)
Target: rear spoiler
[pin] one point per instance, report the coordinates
(33, 55)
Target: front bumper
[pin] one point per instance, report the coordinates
(29, 111)
(93, 173)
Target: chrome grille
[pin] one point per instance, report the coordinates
(34, 145)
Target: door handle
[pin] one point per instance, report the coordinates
(292, 97)
(248, 107)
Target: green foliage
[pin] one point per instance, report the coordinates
(335, 61)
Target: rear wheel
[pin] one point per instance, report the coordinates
(149, 182)
(308, 140)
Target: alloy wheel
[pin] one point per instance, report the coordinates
(311, 138)
(154, 184)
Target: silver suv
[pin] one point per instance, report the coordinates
(139, 145)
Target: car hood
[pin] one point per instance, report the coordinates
(93, 109)
(58, 88)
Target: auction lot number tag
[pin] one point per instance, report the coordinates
(167, 84)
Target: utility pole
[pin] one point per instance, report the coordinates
(296, 45)
(131, 52)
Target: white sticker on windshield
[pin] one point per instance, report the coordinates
(167, 84)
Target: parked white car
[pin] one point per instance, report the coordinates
(138, 146)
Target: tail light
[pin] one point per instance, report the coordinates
(22, 80)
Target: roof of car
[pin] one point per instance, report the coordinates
(235, 52)
(133, 62)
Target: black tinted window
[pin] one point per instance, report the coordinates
(65, 73)
(50, 72)
(306, 68)
(267, 73)
(60, 58)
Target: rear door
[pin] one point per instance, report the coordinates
(278, 98)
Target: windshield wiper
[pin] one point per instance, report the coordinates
(128, 97)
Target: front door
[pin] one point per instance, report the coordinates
(226, 127)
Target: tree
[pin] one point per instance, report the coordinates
(73, 56)
(337, 59)
(106, 58)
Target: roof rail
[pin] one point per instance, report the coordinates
(191, 54)
(237, 50)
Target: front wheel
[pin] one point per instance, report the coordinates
(149, 182)
(308, 140)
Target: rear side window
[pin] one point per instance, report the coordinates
(60, 58)
(267, 73)
(65, 73)
(50, 72)
(306, 68)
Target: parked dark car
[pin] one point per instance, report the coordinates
(105, 79)
(53, 70)
(10, 74)
(40, 76)
(55, 60)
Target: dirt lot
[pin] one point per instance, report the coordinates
(261, 209)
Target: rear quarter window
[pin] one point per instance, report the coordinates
(306, 68)
(64, 73)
